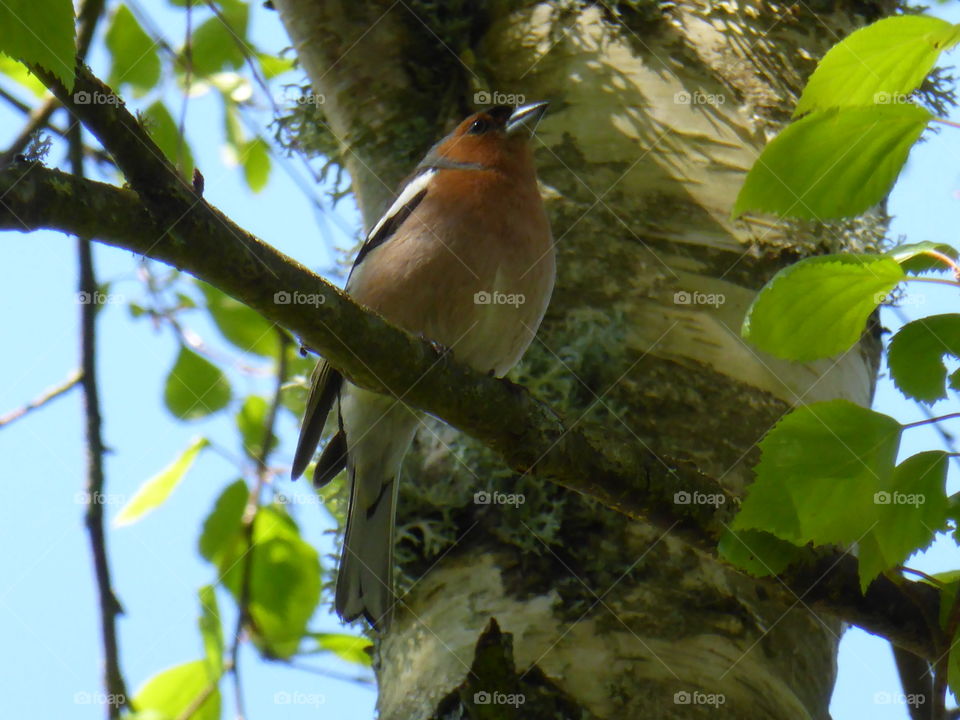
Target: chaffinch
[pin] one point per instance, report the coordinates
(463, 257)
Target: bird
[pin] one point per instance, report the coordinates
(464, 258)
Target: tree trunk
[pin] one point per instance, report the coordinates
(658, 109)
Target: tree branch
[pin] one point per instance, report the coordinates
(71, 382)
(595, 461)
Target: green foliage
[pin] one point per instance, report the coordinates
(833, 163)
(351, 648)
(40, 33)
(224, 521)
(843, 156)
(169, 693)
(284, 580)
(163, 129)
(195, 387)
(252, 424)
(819, 307)
(836, 454)
(155, 491)
(134, 57)
(210, 629)
(255, 156)
(246, 329)
(917, 258)
(217, 43)
(759, 553)
(880, 63)
(916, 357)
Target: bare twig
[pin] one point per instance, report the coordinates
(36, 121)
(46, 396)
(110, 608)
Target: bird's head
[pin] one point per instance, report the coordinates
(494, 139)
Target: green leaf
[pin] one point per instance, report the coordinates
(832, 163)
(916, 357)
(251, 422)
(247, 329)
(759, 553)
(155, 491)
(908, 512)
(133, 52)
(879, 64)
(224, 522)
(40, 33)
(210, 629)
(163, 129)
(18, 72)
(168, 694)
(216, 46)
(284, 581)
(255, 156)
(819, 307)
(272, 66)
(913, 258)
(195, 387)
(819, 469)
(351, 648)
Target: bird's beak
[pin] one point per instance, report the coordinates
(525, 118)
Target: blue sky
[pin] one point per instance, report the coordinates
(48, 607)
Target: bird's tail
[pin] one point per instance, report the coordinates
(378, 432)
(365, 579)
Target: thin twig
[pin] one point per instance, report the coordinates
(38, 119)
(927, 421)
(73, 379)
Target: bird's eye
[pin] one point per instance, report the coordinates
(480, 126)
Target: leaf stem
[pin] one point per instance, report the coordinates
(927, 421)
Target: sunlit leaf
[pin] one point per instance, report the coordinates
(832, 163)
(169, 693)
(155, 491)
(210, 628)
(819, 307)
(881, 63)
